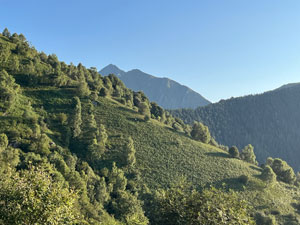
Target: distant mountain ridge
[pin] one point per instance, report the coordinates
(167, 93)
(269, 121)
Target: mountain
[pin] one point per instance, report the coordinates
(79, 148)
(165, 92)
(269, 121)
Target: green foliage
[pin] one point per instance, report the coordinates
(244, 179)
(268, 175)
(83, 89)
(263, 219)
(146, 118)
(75, 120)
(248, 155)
(182, 205)
(200, 132)
(127, 208)
(284, 172)
(269, 121)
(8, 91)
(6, 33)
(3, 142)
(130, 153)
(234, 152)
(80, 142)
(144, 109)
(31, 197)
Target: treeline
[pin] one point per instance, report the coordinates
(65, 179)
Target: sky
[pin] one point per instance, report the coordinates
(219, 48)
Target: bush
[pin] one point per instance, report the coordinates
(248, 155)
(3, 141)
(179, 205)
(263, 219)
(176, 126)
(268, 175)
(146, 118)
(244, 179)
(284, 172)
(234, 152)
(200, 132)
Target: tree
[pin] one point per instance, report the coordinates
(144, 109)
(102, 135)
(83, 89)
(234, 152)
(284, 172)
(181, 204)
(31, 197)
(103, 92)
(13, 63)
(130, 153)
(127, 208)
(8, 91)
(268, 175)
(6, 33)
(248, 155)
(4, 53)
(200, 132)
(3, 142)
(75, 121)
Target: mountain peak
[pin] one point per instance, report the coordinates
(164, 91)
(112, 69)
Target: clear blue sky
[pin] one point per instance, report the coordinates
(218, 48)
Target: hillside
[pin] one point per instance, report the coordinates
(100, 153)
(269, 121)
(167, 93)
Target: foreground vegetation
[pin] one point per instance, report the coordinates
(78, 148)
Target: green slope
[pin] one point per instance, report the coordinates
(163, 155)
(269, 121)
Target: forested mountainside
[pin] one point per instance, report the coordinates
(269, 121)
(79, 148)
(165, 92)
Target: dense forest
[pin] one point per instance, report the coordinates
(79, 148)
(269, 121)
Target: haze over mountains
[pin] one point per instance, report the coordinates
(269, 121)
(165, 92)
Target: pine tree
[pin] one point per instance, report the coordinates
(76, 120)
(6, 33)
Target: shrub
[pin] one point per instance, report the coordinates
(248, 155)
(263, 219)
(200, 132)
(31, 197)
(284, 172)
(244, 179)
(234, 152)
(146, 118)
(268, 175)
(176, 126)
(3, 141)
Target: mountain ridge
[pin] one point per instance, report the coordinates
(167, 93)
(269, 121)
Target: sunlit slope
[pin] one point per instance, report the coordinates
(163, 154)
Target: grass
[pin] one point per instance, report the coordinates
(163, 154)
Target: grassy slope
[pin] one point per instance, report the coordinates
(163, 154)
